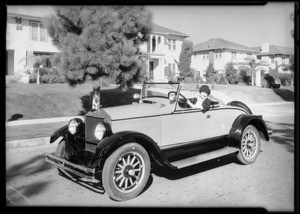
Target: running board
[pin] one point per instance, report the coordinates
(204, 157)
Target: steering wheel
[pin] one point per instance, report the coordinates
(175, 92)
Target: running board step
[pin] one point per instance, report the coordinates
(204, 157)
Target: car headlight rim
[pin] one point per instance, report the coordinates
(99, 131)
(73, 124)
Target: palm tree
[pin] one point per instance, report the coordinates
(251, 61)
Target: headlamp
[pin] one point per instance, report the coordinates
(99, 131)
(74, 125)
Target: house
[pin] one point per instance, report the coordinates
(27, 36)
(219, 52)
(276, 56)
(163, 49)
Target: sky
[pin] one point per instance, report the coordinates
(246, 25)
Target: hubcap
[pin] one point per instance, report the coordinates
(129, 171)
(249, 144)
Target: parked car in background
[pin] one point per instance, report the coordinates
(116, 146)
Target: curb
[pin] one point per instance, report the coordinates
(41, 121)
(27, 142)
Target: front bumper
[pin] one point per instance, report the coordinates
(81, 171)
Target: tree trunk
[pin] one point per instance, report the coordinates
(38, 76)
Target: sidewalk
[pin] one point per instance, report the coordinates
(41, 121)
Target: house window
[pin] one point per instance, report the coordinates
(272, 60)
(169, 44)
(37, 32)
(249, 55)
(174, 44)
(218, 54)
(283, 61)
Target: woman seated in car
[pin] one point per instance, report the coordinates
(201, 100)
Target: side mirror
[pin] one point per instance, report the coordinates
(172, 97)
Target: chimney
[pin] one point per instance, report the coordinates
(265, 48)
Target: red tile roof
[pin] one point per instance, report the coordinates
(217, 44)
(277, 50)
(30, 10)
(160, 29)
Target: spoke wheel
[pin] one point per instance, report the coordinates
(249, 145)
(126, 171)
(129, 171)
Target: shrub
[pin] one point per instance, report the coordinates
(220, 79)
(170, 74)
(267, 80)
(47, 75)
(243, 77)
(231, 73)
(285, 79)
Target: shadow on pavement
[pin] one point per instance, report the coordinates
(283, 133)
(285, 94)
(19, 195)
(95, 187)
(30, 167)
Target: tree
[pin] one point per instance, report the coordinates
(210, 72)
(184, 64)
(101, 41)
(231, 73)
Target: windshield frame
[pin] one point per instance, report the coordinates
(176, 85)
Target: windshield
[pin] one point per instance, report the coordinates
(158, 89)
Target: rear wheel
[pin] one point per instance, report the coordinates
(126, 172)
(249, 146)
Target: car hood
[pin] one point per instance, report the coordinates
(138, 110)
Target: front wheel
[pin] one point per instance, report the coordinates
(126, 172)
(249, 146)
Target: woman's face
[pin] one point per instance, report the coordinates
(203, 94)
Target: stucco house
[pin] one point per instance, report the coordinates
(26, 36)
(162, 49)
(276, 56)
(219, 52)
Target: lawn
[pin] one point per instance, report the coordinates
(32, 101)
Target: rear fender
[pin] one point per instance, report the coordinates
(108, 145)
(242, 122)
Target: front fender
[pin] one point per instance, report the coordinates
(108, 145)
(59, 132)
(240, 124)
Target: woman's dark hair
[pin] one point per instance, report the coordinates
(204, 88)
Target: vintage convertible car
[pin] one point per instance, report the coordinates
(116, 146)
